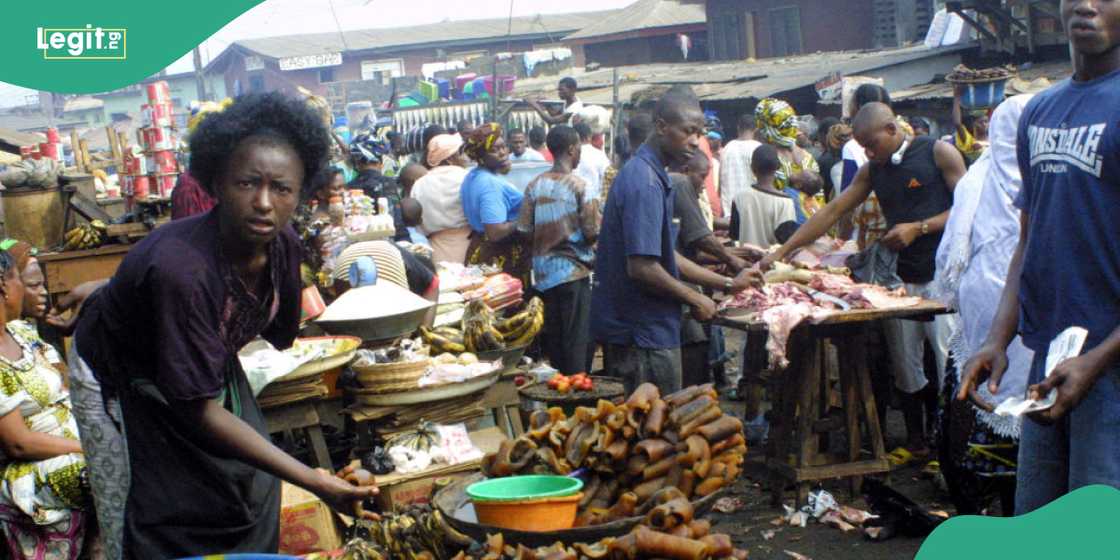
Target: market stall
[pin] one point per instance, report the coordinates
(815, 318)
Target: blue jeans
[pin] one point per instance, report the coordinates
(1080, 450)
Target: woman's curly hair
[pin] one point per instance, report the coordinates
(274, 115)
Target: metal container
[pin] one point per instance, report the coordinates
(378, 329)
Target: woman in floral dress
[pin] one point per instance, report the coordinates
(42, 490)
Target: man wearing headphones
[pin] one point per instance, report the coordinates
(914, 180)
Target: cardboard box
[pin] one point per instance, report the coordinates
(306, 523)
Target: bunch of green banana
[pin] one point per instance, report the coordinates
(86, 236)
(520, 329)
(444, 339)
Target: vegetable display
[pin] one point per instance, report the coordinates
(634, 451)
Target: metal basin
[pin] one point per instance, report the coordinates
(378, 329)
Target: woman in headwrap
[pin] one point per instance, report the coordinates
(43, 490)
(972, 262)
(368, 154)
(437, 192)
(491, 204)
(799, 176)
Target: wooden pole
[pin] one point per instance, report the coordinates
(200, 82)
(86, 163)
(114, 143)
(616, 113)
(76, 148)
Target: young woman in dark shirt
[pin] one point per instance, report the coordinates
(161, 339)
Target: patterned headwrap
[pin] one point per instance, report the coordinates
(777, 122)
(481, 139)
(839, 135)
(21, 251)
(368, 148)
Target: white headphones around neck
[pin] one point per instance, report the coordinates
(896, 158)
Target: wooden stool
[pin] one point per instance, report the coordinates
(301, 415)
(803, 412)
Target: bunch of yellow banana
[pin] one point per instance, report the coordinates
(520, 329)
(86, 236)
(444, 339)
(479, 334)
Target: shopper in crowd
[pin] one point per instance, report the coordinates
(537, 140)
(638, 128)
(368, 155)
(800, 176)
(197, 473)
(970, 128)
(915, 193)
(635, 307)
(977, 448)
(44, 493)
(1065, 270)
(566, 91)
(866, 224)
(829, 155)
(519, 149)
(560, 218)
(491, 204)
(735, 168)
(394, 161)
(443, 220)
(839, 135)
(430, 132)
(593, 163)
(408, 177)
(189, 198)
(696, 242)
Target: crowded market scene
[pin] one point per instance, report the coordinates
(655, 282)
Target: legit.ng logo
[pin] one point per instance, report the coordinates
(88, 43)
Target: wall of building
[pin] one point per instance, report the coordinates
(835, 25)
(645, 50)
(184, 91)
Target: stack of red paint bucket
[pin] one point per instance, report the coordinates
(153, 172)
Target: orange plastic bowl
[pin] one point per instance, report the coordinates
(537, 514)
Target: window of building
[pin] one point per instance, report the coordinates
(382, 70)
(326, 75)
(785, 31)
(256, 84)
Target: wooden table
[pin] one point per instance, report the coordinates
(301, 416)
(65, 271)
(801, 403)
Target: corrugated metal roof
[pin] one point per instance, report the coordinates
(1032, 79)
(17, 138)
(82, 103)
(644, 14)
(556, 26)
(722, 81)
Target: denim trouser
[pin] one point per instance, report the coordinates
(1081, 449)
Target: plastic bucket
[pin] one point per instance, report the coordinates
(537, 515)
(524, 487)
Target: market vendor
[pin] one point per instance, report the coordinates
(566, 91)
(162, 337)
(44, 498)
(636, 302)
(914, 180)
(443, 221)
(970, 128)
(368, 154)
(491, 204)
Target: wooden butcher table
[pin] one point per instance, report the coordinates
(801, 404)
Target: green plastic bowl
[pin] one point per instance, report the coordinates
(530, 487)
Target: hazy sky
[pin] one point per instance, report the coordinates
(285, 17)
